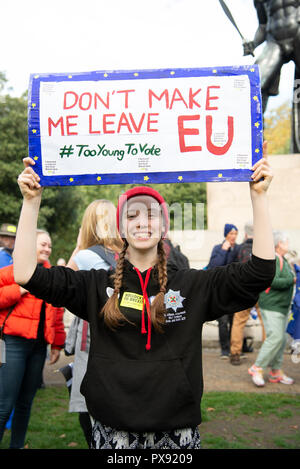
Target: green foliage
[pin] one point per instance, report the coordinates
(186, 193)
(59, 210)
(3, 81)
(13, 148)
(277, 130)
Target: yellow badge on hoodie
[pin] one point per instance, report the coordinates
(132, 300)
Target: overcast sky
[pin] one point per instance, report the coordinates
(85, 35)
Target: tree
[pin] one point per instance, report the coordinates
(277, 130)
(13, 146)
(57, 202)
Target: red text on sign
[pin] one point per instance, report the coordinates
(105, 124)
(214, 149)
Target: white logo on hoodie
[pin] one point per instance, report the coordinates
(174, 300)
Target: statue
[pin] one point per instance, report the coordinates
(279, 28)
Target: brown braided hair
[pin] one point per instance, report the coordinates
(111, 311)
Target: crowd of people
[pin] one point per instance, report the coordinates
(138, 315)
(272, 308)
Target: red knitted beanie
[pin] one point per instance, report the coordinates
(143, 190)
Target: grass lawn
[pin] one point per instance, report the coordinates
(231, 420)
(234, 420)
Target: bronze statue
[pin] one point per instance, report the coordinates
(279, 28)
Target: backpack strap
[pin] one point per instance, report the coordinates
(6, 318)
(106, 254)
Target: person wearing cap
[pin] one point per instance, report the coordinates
(223, 254)
(144, 383)
(7, 242)
(227, 251)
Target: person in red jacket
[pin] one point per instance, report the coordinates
(27, 325)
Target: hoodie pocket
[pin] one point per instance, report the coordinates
(138, 395)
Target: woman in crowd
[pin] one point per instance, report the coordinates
(275, 304)
(97, 246)
(27, 325)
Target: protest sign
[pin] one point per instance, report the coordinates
(147, 126)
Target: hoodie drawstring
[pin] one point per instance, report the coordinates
(145, 301)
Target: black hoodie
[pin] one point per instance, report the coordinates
(126, 386)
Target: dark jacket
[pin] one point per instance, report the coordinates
(127, 387)
(220, 256)
(245, 250)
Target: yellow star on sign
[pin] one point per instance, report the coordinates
(220, 175)
(256, 124)
(256, 150)
(99, 178)
(180, 178)
(71, 179)
(33, 105)
(146, 178)
(36, 158)
(252, 69)
(255, 98)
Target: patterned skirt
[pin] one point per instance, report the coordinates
(104, 437)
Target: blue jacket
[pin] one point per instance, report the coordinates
(5, 257)
(220, 256)
(293, 327)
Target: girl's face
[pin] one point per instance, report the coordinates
(142, 222)
(43, 247)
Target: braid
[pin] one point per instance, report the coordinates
(162, 266)
(110, 311)
(158, 306)
(118, 275)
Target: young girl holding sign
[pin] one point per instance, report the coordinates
(143, 384)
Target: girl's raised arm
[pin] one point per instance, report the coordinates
(24, 255)
(263, 244)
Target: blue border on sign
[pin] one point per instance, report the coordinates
(34, 141)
